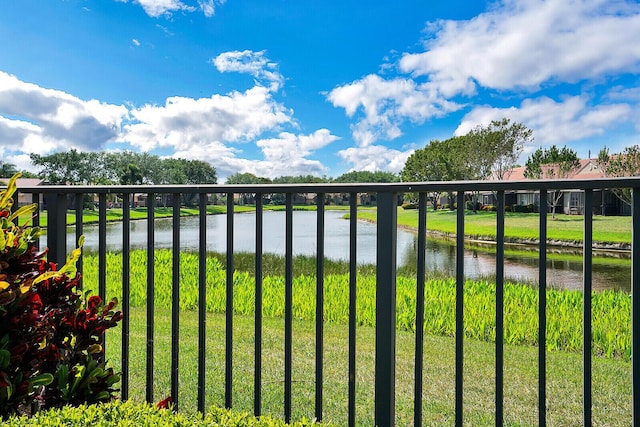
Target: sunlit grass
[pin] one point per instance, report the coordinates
(611, 378)
(522, 226)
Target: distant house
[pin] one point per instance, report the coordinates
(25, 198)
(571, 201)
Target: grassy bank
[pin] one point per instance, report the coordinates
(611, 310)
(520, 226)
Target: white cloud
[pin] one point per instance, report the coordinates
(37, 119)
(553, 122)
(135, 42)
(184, 123)
(249, 62)
(524, 44)
(386, 104)
(288, 147)
(157, 8)
(208, 7)
(284, 155)
(375, 158)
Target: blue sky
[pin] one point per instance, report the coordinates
(285, 87)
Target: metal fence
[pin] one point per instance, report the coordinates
(56, 199)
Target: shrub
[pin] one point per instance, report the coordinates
(132, 414)
(50, 333)
(408, 205)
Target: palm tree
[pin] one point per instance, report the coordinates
(7, 170)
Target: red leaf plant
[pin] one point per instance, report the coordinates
(50, 333)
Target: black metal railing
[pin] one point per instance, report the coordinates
(57, 201)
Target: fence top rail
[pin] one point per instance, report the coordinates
(400, 187)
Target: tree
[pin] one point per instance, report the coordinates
(246, 178)
(552, 164)
(199, 172)
(623, 164)
(68, 168)
(438, 161)
(7, 170)
(494, 150)
(299, 179)
(243, 179)
(367, 176)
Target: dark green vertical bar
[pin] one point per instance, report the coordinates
(288, 306)
(459, 308)
(79, 230)
(500, 310)
(635, 305)
(150, 293)
(353, 272)
(102, 252)
(257, 387)
(319, 304)
(385, 379)
(126, 285)
(175, 302)
(35, 198)
(420, 275)
(202, 301)
(57, 228)
(228, 384)
(542, 312)
(586, 305)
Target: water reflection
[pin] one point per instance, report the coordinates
(479, 260)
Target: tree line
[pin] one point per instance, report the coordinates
(127, 168)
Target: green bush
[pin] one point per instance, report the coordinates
(123, 414)
(408, 205)
(50, 333)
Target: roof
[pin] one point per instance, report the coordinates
(588, 169)
(23, 182)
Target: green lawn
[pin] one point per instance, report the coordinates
(611, 378)
(524, 226)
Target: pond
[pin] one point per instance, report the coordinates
(564, 268)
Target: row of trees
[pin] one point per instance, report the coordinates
(128, 168)
(358, 176)
(492, 152)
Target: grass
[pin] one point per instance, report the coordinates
(520, 226)
(611, 378)
(611, 318)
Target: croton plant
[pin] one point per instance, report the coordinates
(50, 332)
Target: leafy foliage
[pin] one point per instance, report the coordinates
(133, 414)
(552, 163)
(623, 164)
(50, 334)
(75, 167)
(611, 309)
(367, 176)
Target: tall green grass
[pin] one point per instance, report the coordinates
(611, 319)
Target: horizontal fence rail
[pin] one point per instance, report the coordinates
(56, 202)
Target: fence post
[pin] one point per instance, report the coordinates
(385, 380)
(57, 228)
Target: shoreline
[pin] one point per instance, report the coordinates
(512, 241)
